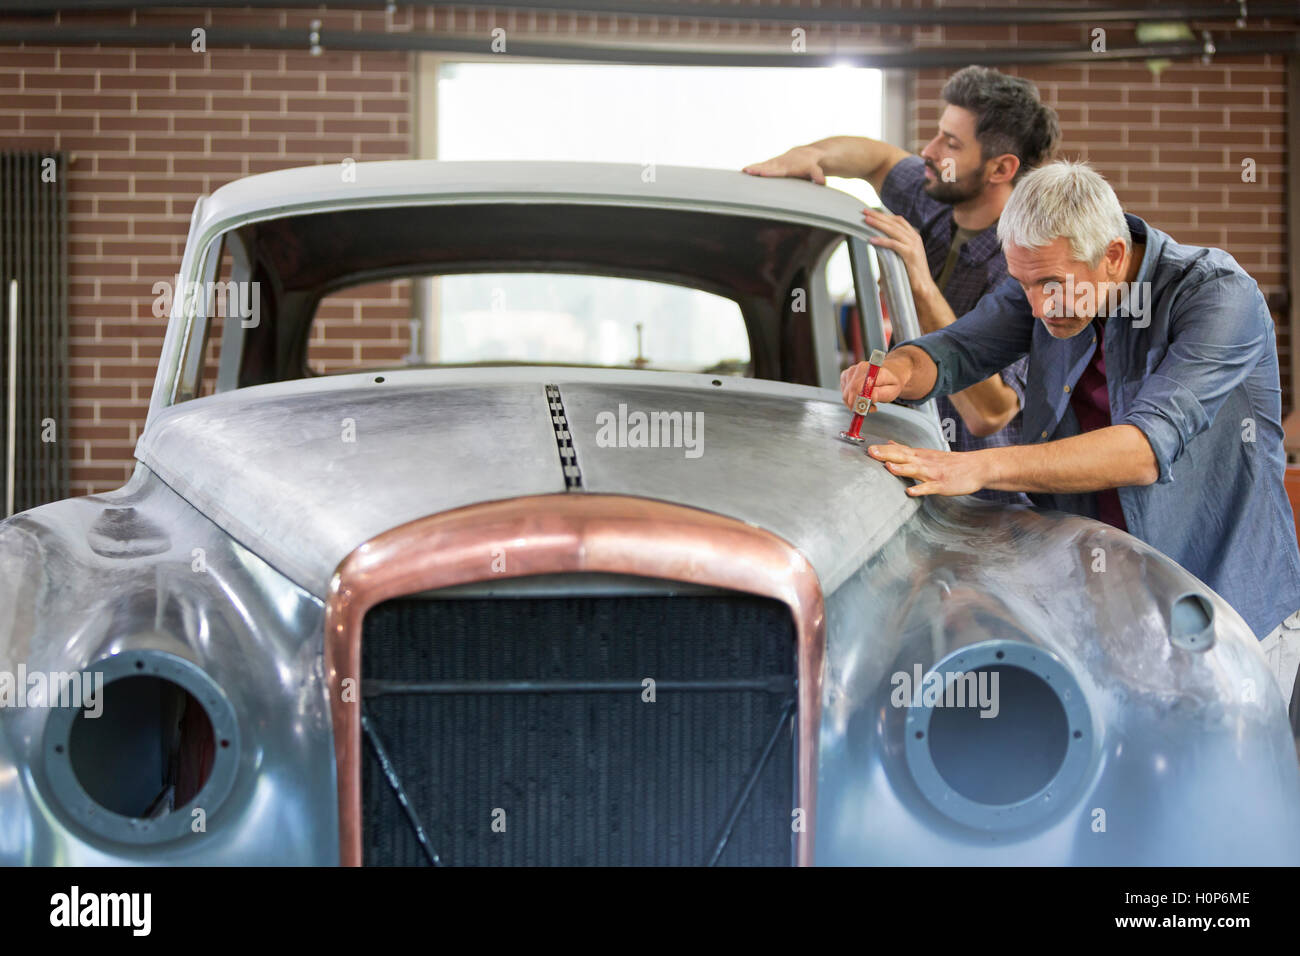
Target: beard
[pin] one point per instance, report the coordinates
(964, 188)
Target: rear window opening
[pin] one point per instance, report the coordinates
(535, 318)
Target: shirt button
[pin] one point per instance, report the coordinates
(1044, 435)
(1067, 388)
(1093, 339)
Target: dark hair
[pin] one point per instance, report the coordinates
(1009, 116)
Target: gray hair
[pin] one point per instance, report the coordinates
(1065, 200)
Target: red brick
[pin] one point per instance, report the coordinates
(212, 165)
(247, 104)
(319, 146)
(283, 83)
(169, 185)
(1119, 115)
(358, 84)
(208, 124)
(340, 104)
(79, 59)
(100, 184)
(210, 82)
(134, 122)
(135, 81)
(1185, 156)
(245, 59)
(351, 124)
(1257, 117)
(172, 103)
(30, 101)
(98, 102)
(59, 121)
(169, 144)
(371, 105)
(81, 390)
(97, 144)
(333, 62)
(32, 59)
(283, 124)
(1161, 95)
(245, 144)
(180, 60)
(153, 227)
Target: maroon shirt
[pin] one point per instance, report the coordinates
(1091, 406)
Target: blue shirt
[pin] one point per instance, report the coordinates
(980, 267)
(1195, 369)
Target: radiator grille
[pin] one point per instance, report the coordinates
(33, 251)
(600, 777)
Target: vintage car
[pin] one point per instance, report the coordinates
(574, 605)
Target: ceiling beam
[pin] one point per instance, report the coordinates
(725, 10)
(1256, 44)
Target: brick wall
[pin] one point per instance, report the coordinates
(150, 129)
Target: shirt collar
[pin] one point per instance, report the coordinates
(983, 245)
(1153, 239)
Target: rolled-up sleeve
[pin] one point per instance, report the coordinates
(983, 342)
(1219, 327)
(1016, 377)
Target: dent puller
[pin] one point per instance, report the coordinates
(862, 404)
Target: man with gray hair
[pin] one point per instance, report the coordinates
(1153, 401)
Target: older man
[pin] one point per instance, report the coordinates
(1153, 399)
(945, 204)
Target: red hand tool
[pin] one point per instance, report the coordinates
(862, 404)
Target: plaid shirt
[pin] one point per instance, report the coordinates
(980, 267)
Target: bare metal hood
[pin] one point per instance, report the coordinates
(302, 473)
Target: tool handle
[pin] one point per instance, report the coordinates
(873, 369)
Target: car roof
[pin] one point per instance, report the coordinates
(436, 181)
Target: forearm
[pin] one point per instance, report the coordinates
(915, 369)
(855, 157)
(1112, 457)
(985, 407)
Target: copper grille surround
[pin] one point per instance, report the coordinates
(557, 534)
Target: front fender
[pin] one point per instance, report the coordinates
(139, 571)
(1172, 721)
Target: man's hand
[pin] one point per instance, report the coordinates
(802, 162)
(937, 472)
(906, 241)
(889, 382)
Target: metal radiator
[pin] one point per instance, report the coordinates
(517, 731)
(34, 361)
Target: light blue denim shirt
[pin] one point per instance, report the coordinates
(1194, 366)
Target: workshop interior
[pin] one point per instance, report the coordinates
(629, 433)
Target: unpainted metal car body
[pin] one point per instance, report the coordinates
(479, 633)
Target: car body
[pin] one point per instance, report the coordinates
(480, 632)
